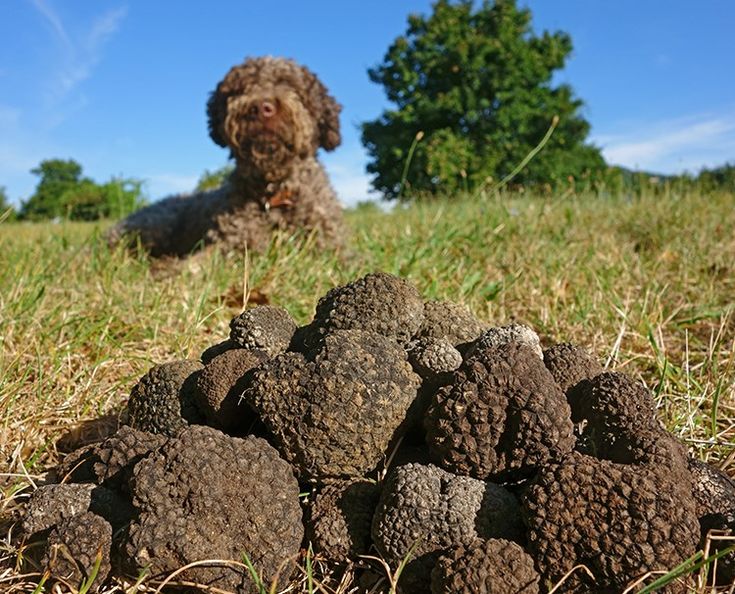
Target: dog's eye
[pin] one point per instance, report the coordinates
(253, 111)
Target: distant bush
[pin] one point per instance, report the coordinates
(210, 180)
(7, 212)
(62, 192)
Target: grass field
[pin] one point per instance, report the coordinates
(647, 284)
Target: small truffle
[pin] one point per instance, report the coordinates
(266, 327)
(206, 495)
(450, 321)
(433, 358)
(570, 364)
(334, 416)
(501, 417)
(424, 510)
(495, 566)
(379, 302)
(505, 334)
(340, 518)
(163, 400)
(111, 461)
(78, 548)
(620, 520)
(220, 386)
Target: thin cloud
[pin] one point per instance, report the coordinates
(80, 53)
(673, 146)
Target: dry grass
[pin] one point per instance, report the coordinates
(647, 284)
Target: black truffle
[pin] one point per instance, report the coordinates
(433, 359)
(340, 518)
(501, 417)
(221, 384)
(163, 400)
(379, 302)
(78, 548)
(494, 566)
(620, 520)
(449, 321)
(425, 510)
(267, 328)
(205, 495)
(501, 335)
(570, 364)
(334, 416)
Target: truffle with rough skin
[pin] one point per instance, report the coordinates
(504, 334)
(621, 520)
(502, 416)
(453, 322)
(110, 462)
(220, 386)
(714, 494)
(427, 510)
(340, 517)
(267, 328)
(570, 364)
(379, 302)
(334, 415)
(610, 408)
(205, 495)
(163, 399)
(77, 547)
(494, 566)
(433, 359)
(51, 504)
(217, 349)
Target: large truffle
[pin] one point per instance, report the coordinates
(620, 520)
(221, 384)
(163, 400)
(334, 416)
(449, 321)
(379, 302)
(267, 328)
(501, 417)
(78, 549)
(494, 566)
(424, 510)
(205, 495)
(340, 517)
(570, 364)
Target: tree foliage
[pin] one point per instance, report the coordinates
(62, 192)
(7, 212)
(478, 85)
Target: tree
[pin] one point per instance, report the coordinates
(63, 192)
(474, 95)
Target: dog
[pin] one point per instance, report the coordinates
(273, 115)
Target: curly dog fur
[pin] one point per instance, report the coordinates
(273, 115)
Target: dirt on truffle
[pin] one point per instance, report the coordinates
(205, 495)
(449, 321)
(266, 328)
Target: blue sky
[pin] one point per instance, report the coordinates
(121, 85)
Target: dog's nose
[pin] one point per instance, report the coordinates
(267, 109)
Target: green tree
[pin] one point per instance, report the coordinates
(63, 192)
(474, 95)
(210, 180)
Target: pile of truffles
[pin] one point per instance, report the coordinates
(388, 426)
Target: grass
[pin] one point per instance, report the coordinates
(646, 283)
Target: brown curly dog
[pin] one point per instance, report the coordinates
(273, 115)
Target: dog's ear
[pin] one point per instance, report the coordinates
(324, 109)
(216, 114)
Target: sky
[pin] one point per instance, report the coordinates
(121, 85)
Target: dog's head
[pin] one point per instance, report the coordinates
(270, 111)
